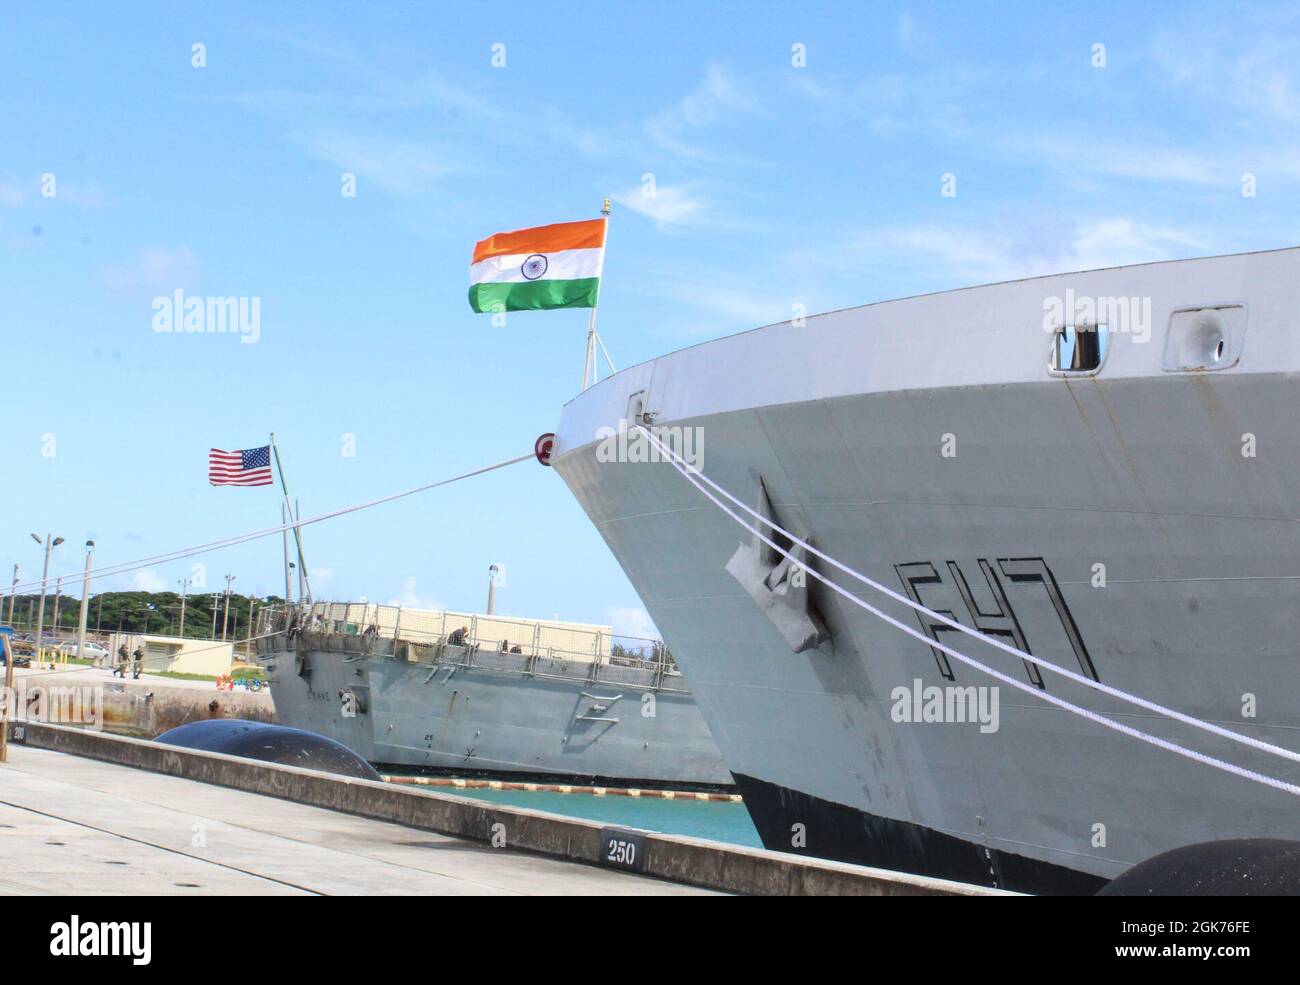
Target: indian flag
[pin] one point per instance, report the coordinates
(555, 266)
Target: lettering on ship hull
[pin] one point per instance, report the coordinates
(923, 578)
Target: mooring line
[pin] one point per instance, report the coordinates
(126, 566)
(690, 473)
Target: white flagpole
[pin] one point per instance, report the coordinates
(297, 531)
(586, 360)
(589, 366)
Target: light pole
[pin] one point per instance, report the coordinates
(51, 542)
(13, 594)
(85, 602)
(58, 594)
(215, 596)
(493, 572)
(225, 617)
(184, 583)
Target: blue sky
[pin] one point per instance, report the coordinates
(774, 185)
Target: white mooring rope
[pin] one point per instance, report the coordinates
(690, 473)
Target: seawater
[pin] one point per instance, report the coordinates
(717, 820)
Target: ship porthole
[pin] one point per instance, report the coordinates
(1079, 349)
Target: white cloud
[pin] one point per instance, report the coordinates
(89, 195)
(398, 167)
(13, 195)
(148, 580)
(740, 305)
(154, 269)
(962, 255)
(363, 83)
(1073, 153)
(408, 597)
(669, 205)
(1158, 164)
(1120, 240)
(631, 621)
(1258, 80)
(938, 100)
(716, 100)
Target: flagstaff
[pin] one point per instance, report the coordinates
(297, 532)
(544, 267)
(589, 367)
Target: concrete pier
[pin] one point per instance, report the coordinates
(74, 826)
(87, 812)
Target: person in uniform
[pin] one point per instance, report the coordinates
(137, 662)
(119, 670)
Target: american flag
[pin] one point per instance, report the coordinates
(250, 467)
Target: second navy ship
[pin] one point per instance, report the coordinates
(419, 691)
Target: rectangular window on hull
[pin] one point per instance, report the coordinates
(1079, 348)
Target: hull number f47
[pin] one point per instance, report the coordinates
(923, 580)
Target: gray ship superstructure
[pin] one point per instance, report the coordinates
(1101, 469)
(406, 692)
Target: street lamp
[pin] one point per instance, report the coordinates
(51, 542)
(494, 572)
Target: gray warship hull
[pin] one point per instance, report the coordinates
(1134, 521)
(467, 711)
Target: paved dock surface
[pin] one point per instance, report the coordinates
(68, 675)
(78, 826)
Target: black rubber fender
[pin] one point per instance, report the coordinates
(270, 744)
(1235, 867)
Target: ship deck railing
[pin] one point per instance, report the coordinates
(590, 657)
